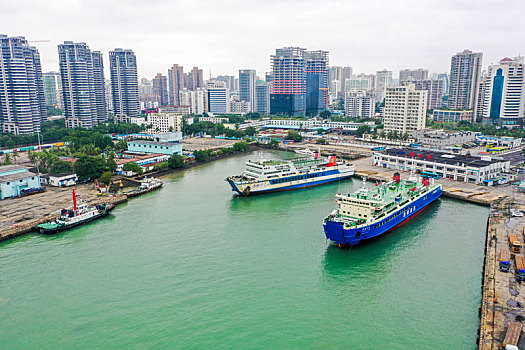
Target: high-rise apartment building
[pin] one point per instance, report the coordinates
(383, 79)
(195, 99)
(195, 79)
(346, 73)
(434, 87)
(176, 84)
(99, 85)
(228, 80)
(412, 75)
(465, 70)
(405, 109)
(83, 85)
(22, 100)
(316, 82)
(340, 74)
(124, 84)
(147, 98)
(480, 99)
(247, 80)
(262, 97)
(505, 93)
(107, 94)
(218, 100)
(444, 78)
(360, 82)
(160, 88)
(52, 89)
(359, 105)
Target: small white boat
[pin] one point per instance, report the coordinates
(305, 151)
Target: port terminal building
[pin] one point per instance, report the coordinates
(442, 165)
(14, 179)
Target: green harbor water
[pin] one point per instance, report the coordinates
(193, 266)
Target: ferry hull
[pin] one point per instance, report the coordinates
(250, 189)
(336, 232)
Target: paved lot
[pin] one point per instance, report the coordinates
(14, 211)
(199, 144)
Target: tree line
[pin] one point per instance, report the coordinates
(56, 131)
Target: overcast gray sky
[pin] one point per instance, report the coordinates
(226, 35)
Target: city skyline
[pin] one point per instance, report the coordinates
(379, 38)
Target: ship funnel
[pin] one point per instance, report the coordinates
(426, 181)
(397, 178)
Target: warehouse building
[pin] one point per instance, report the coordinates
(14, 179)
(443, 138)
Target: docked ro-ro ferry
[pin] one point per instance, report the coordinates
(280, 175)
(368, 213)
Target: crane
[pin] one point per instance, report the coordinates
(39, 41)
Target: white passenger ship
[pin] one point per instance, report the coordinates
(281, 175)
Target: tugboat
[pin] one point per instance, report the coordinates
(146, 186)
(79, 215)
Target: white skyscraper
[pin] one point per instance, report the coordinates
(405, 109)
(504, 93)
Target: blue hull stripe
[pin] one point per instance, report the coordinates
(307, 184)
(336, 232)
(291, 187)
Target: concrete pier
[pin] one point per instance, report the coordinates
(20, 215)
(503, 297)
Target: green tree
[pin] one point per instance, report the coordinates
(105, 178)
(362, 129)
(134, 167)
(175, 161)
(16, 155)
(7, 159)
(250, 131)
(161, 166)
(273, 143)
(121, 145)
(321, 141)
(294, 135)
(33, 157)
(60, 167)
(325, 114)
(88, 168)
(240, 146)
(201, 156)
(320, 131)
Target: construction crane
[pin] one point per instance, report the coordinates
(39, 41)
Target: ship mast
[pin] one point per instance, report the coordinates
(74, 200)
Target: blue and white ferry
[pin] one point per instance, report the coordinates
(368, 213)
(280, 175)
